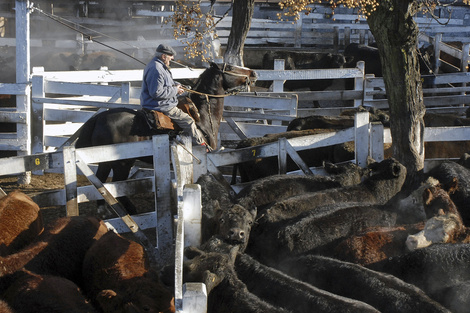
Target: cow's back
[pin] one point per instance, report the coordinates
(20, 222)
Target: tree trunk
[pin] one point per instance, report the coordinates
(241, 22)
(396, 34)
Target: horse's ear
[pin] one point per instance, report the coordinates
(214, 65)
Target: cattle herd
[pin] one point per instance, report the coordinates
(349, 241)
(352, 241)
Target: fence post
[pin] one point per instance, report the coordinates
(161, 157)
(366, 97)
(437, 52)
(465, 57)
(377, 141)
(347, 36)
(192, 209)
(278, 85)
(298, 33)
(361, 141)
(23, 71)
(336, 38)
(362, 36)
(37, 120)
(194, 298)
(359, 82)
(70, 180)
(282, 156)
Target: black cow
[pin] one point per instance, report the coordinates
(274, 241)
(312, 220)
(384, 292)
(227, 293)
(448, 173)
(384, 181)
(238, 283)
(370, 55)
(291, 293)
(221, 216)
(305, 60)
(456, 297)
(259, 193)
(432, 268)
(252, 170)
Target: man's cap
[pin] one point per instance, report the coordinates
(166, 49)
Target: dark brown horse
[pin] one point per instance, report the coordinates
(126, 125)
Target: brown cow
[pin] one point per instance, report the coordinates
(32, 292)
(20, 222)
(372, 245)
(5, 308)
(59, 250)
(117, 278)
(443, 228)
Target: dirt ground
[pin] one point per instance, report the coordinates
(52, 181)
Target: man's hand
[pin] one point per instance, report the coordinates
(180, 89)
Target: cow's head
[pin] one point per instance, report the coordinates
(210, 268)
(142, 294)
(234, 224)
(438, 229)
(412, 207)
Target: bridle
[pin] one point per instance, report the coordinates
(228, 92)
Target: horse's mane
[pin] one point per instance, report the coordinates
(206, 82)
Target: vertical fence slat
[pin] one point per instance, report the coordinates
(377, 141)
(37, 121)
(437, 52)
(70, 180)
(361, 141)
(359, 82)
(278, 85)
(282, 156)
(161, 159)
(23, 71)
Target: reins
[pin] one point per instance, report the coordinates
(224, 95)
(231, 93)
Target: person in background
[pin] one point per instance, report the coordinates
(160, 92)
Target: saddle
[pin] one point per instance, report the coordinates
(160, 121)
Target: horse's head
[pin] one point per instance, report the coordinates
(236, 78)
(217, 82)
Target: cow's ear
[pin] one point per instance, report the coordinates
(454, 186)
(191, 252)
(253, 211)
(349, 59)
(211, 280)
(427, 196)
(108, 300)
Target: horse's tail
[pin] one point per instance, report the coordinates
(86, 132)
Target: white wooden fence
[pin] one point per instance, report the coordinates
(246, 115)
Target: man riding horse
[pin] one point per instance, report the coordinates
(160, 93)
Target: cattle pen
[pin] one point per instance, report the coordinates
(62, 101)
(57, 118)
